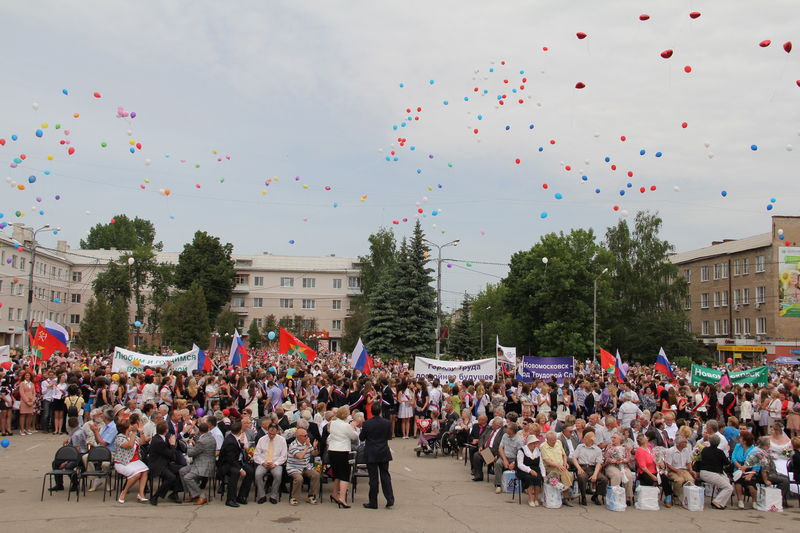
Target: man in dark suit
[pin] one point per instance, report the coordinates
(490, 440)
(376, 434)
(233, 466)
(161, 462)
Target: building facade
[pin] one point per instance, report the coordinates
(319, 289)
(744, 294)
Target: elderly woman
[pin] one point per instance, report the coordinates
(648, 468)
(744, 477)
(710, 470)
(340, 437)
(127, 461)
(616, 459)
(768, 473)
(529, 469)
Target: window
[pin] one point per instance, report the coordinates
(354, 282)
(689, 326)
(1, 286)
(309, 324)
(704, 301)
(76, 298)
(724, 270)
(337, 283)
(10, 313)
(19, 313)
(725, 327)
(761, 294)
(52, 271)
(761, 325)
(240, 280)
(737, 267)
(258, 281)
(717, 270)
(336, 325)
(336, 304)
(704, 273)
(687, 274)
(309, 283)
(746, 296)
(76, 276)
(22, 263)
(19, 289)
(737, 296)
(287, 303)
(737, 326)
(258, 302)
(760, 263)
(747, 326)
(259, 321)
(717, 299)
(74, 319)
(724, 299)
(287, 282)
(718, 327)
(745, 266)
(13, 261)
(238, 301)
(309, 304)
(240, 324)
(704, 328)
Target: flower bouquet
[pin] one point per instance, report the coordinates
(555, 481)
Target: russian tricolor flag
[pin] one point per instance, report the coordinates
(238, 351)
(52, 338)
(618, 371)
(203, 362)
(662, 364)
(361, 360)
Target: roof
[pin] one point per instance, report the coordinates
(726, 248)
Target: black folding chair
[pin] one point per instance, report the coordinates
(98, 455)
(65, 454)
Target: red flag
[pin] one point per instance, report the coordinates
(291, 345)
(607, 361)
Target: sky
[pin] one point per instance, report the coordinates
(270, 122)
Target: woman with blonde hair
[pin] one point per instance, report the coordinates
(340, 438)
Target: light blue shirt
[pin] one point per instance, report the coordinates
(109, 434)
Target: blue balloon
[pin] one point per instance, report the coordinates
(585, 178)
(271, 335)
(559, 196)
(773, 200)
(39, 133)
(754, 147)
(466, 98)
(132, 150)
(431, 82)
(543, 214)
(434, 212)
(480, 117)
(412, 148)
(629, 185)
(541, 149)
(769, 207)
(642, 152)
(291, 241)
(508, 128)
(724, 193)
(597, 191)
(5, 443)
(522, 72)
(658, 154)
(137, 324)
(394, 127)
(14, 137)
(46, 172)
(446, 102)
(491, 69)
(781, 237)
(419, 171)
(402, 85)
(31, 179)
(622, 192)
(530, 127)
(64, 91)
(607, 159)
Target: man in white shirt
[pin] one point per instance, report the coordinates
(628, 411)
(679, 466)
(215, 432)
(712, 428)
(270, 456)
(670, 426)
(49, 393)
(435, 394)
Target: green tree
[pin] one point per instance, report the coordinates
(488, 309)
(226, 322)
(420, 308)
(95, 333)
(285, 322)
(646, 310)
(122, 234)
(270, 324)
(381, 331)
(462, 341)
(254, 335)
(185, 319)
(208, 262)
(354, 323)
(552, 300)
(113, 283)
(161, 281)
(118, 324)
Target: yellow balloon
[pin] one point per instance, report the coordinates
(135, 362)
(115, 377)
(44, 125)
(50, 157)
(305, 186)
(264, 192)
(131, 142)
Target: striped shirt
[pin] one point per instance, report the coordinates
(293, 464)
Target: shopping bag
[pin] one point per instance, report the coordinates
(615, 498)
(552, 496)
(769, 499)
(510, 482)
(693, 497)
(647, 498)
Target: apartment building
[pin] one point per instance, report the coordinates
(317, 288)
(744, 294)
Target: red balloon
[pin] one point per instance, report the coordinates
(581, 35)
(505, 81)
(730, 360)
(501, 102)
(23, 157)
(644, 16)
(148, 371)
(524, 80)
(544, 185)
(765, 43)
(475, 131)
(420, 210)
(517, 160)
(419, 109)
(630, 173)
(687, 69)
(520, 101)
(544, 48)
(139, 146)
(580, 85)
(694, 14)
(502, 62)
(616, 208)
(788, 243)
(2, 142)
(787, 46)
(685, 125)
(642, 189)
(71, 150)
(622, 138)
(666, 54)
(97, 95)
(552, 141)
(567, 168)
(798, 83)
(652, 187)
(395, 222)
(613, 167)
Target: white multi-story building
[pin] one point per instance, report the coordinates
(316, 288)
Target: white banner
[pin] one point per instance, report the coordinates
(130, 362)
(461, 370)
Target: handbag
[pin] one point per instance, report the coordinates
(769, 499)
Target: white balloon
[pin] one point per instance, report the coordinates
(780, 232)
(711, 155)
(88, 212)
(545, 260)
(676, 189)
(789, 148)
(596, 134)
(433, 226)
(130, 133)
(624, 212)
(131, 261)
(35, 106)
(425, 199)
(707, 144)
(147, 162)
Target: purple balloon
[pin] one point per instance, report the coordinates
(625, 367)
(199, 411)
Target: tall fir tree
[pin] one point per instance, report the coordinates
(462, 341)
(185, 319)
(380, 331)
(421, 309)
(94, 333)
(254, 335)
(118, 324)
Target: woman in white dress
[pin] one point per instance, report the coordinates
(780, 447)
(543, 400)
(406, 412)
(127, 461)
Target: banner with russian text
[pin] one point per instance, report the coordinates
(703, 374)
(129, 361)
(484, 369)
(544, 368)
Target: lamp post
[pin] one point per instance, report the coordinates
(439, 290)
(594, 318)
(25, 338)
(486, 309)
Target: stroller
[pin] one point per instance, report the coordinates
(429, 437)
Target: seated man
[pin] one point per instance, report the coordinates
(555, 464)
(161, 461)
(299, 466)
(769, 474)
(202, 450)
(679, 466)
(588, 462)
(77, 439)
(270, 456)
(233, 466)
(507, 454)
(489, 440)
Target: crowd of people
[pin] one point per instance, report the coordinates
(283, 424)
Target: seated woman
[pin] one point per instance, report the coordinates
(744, 477)
(616, 459)
(648, 470)
(429, 430)
(529, 469)
(710, 467)
(127, 461)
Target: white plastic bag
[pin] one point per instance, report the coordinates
(693, 497)
(647, 498)
(769, 499)
(552, 496)
(510, 482)
(615, 498)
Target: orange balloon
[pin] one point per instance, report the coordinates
(20, 187)
(167, 191)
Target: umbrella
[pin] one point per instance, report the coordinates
(784, 361)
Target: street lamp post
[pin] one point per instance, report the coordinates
(439, 291)
(25, 338)
(594, 318)
(486, 309)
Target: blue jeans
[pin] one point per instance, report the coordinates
(44, 421)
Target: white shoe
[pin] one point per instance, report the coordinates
(498, 490)
(741, 504)
(532, 504)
